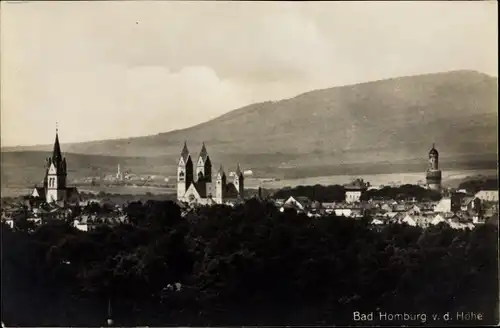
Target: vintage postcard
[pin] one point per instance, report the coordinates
(212, 163)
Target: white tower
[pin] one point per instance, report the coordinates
(184, 173)
(55, 180)
(220, 186)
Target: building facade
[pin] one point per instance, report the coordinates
(355, 190)
(433, 174)
(55, 187)
(198, 186)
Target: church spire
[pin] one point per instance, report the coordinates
(221, 171)
(185, 152)
(203, 152)
(56, 153)
(238, 170)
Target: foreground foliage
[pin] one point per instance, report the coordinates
(247, 265)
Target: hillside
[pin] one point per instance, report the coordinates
(394, 120)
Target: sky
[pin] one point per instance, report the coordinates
(107, 70)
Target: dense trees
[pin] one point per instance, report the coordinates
(245, 265)
(403, 192)
(333, 193)
(475, 185)
(336, 193)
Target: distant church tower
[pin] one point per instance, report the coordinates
(239, 181)
(433, 175)
(184, 172)
(220, 186)
(204, 166)
(55, 179)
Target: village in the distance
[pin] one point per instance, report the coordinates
(199, 185)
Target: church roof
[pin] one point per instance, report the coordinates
(203, 152)
(185, 152)
(231, 191)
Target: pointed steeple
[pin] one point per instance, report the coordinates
(238, 170)
(203, 152)
(221, 171)
(185, 152)
(56, 153)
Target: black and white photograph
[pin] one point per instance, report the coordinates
(249, 163)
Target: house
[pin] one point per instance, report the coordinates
(279, 202)
(355, 190)
(328, 205)
(448, 204)
(9, 222)
(348, 211)
(386, 207)
(416, 220)
(487, 195)
(456, 224)
(301, 204)
(470, 204)
(401, 207)
(415, 209)
(409, 220)
(438, 219)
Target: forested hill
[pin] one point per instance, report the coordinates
(385, 120)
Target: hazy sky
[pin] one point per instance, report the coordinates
(118, 69)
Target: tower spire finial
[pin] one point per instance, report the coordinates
(57, 127)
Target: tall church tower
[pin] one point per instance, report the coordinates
(239, 181)
(220, 186)
(204, 166)
(55, 179)
(184, 172)
(433, 174)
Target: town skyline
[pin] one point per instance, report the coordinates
(77, 78)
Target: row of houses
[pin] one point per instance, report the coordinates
(459, 212)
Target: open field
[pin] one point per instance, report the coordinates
(451, 178)
(128, 190)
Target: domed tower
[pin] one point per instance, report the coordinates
(433, 174)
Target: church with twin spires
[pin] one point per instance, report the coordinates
(199, 186)
(54, 188)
